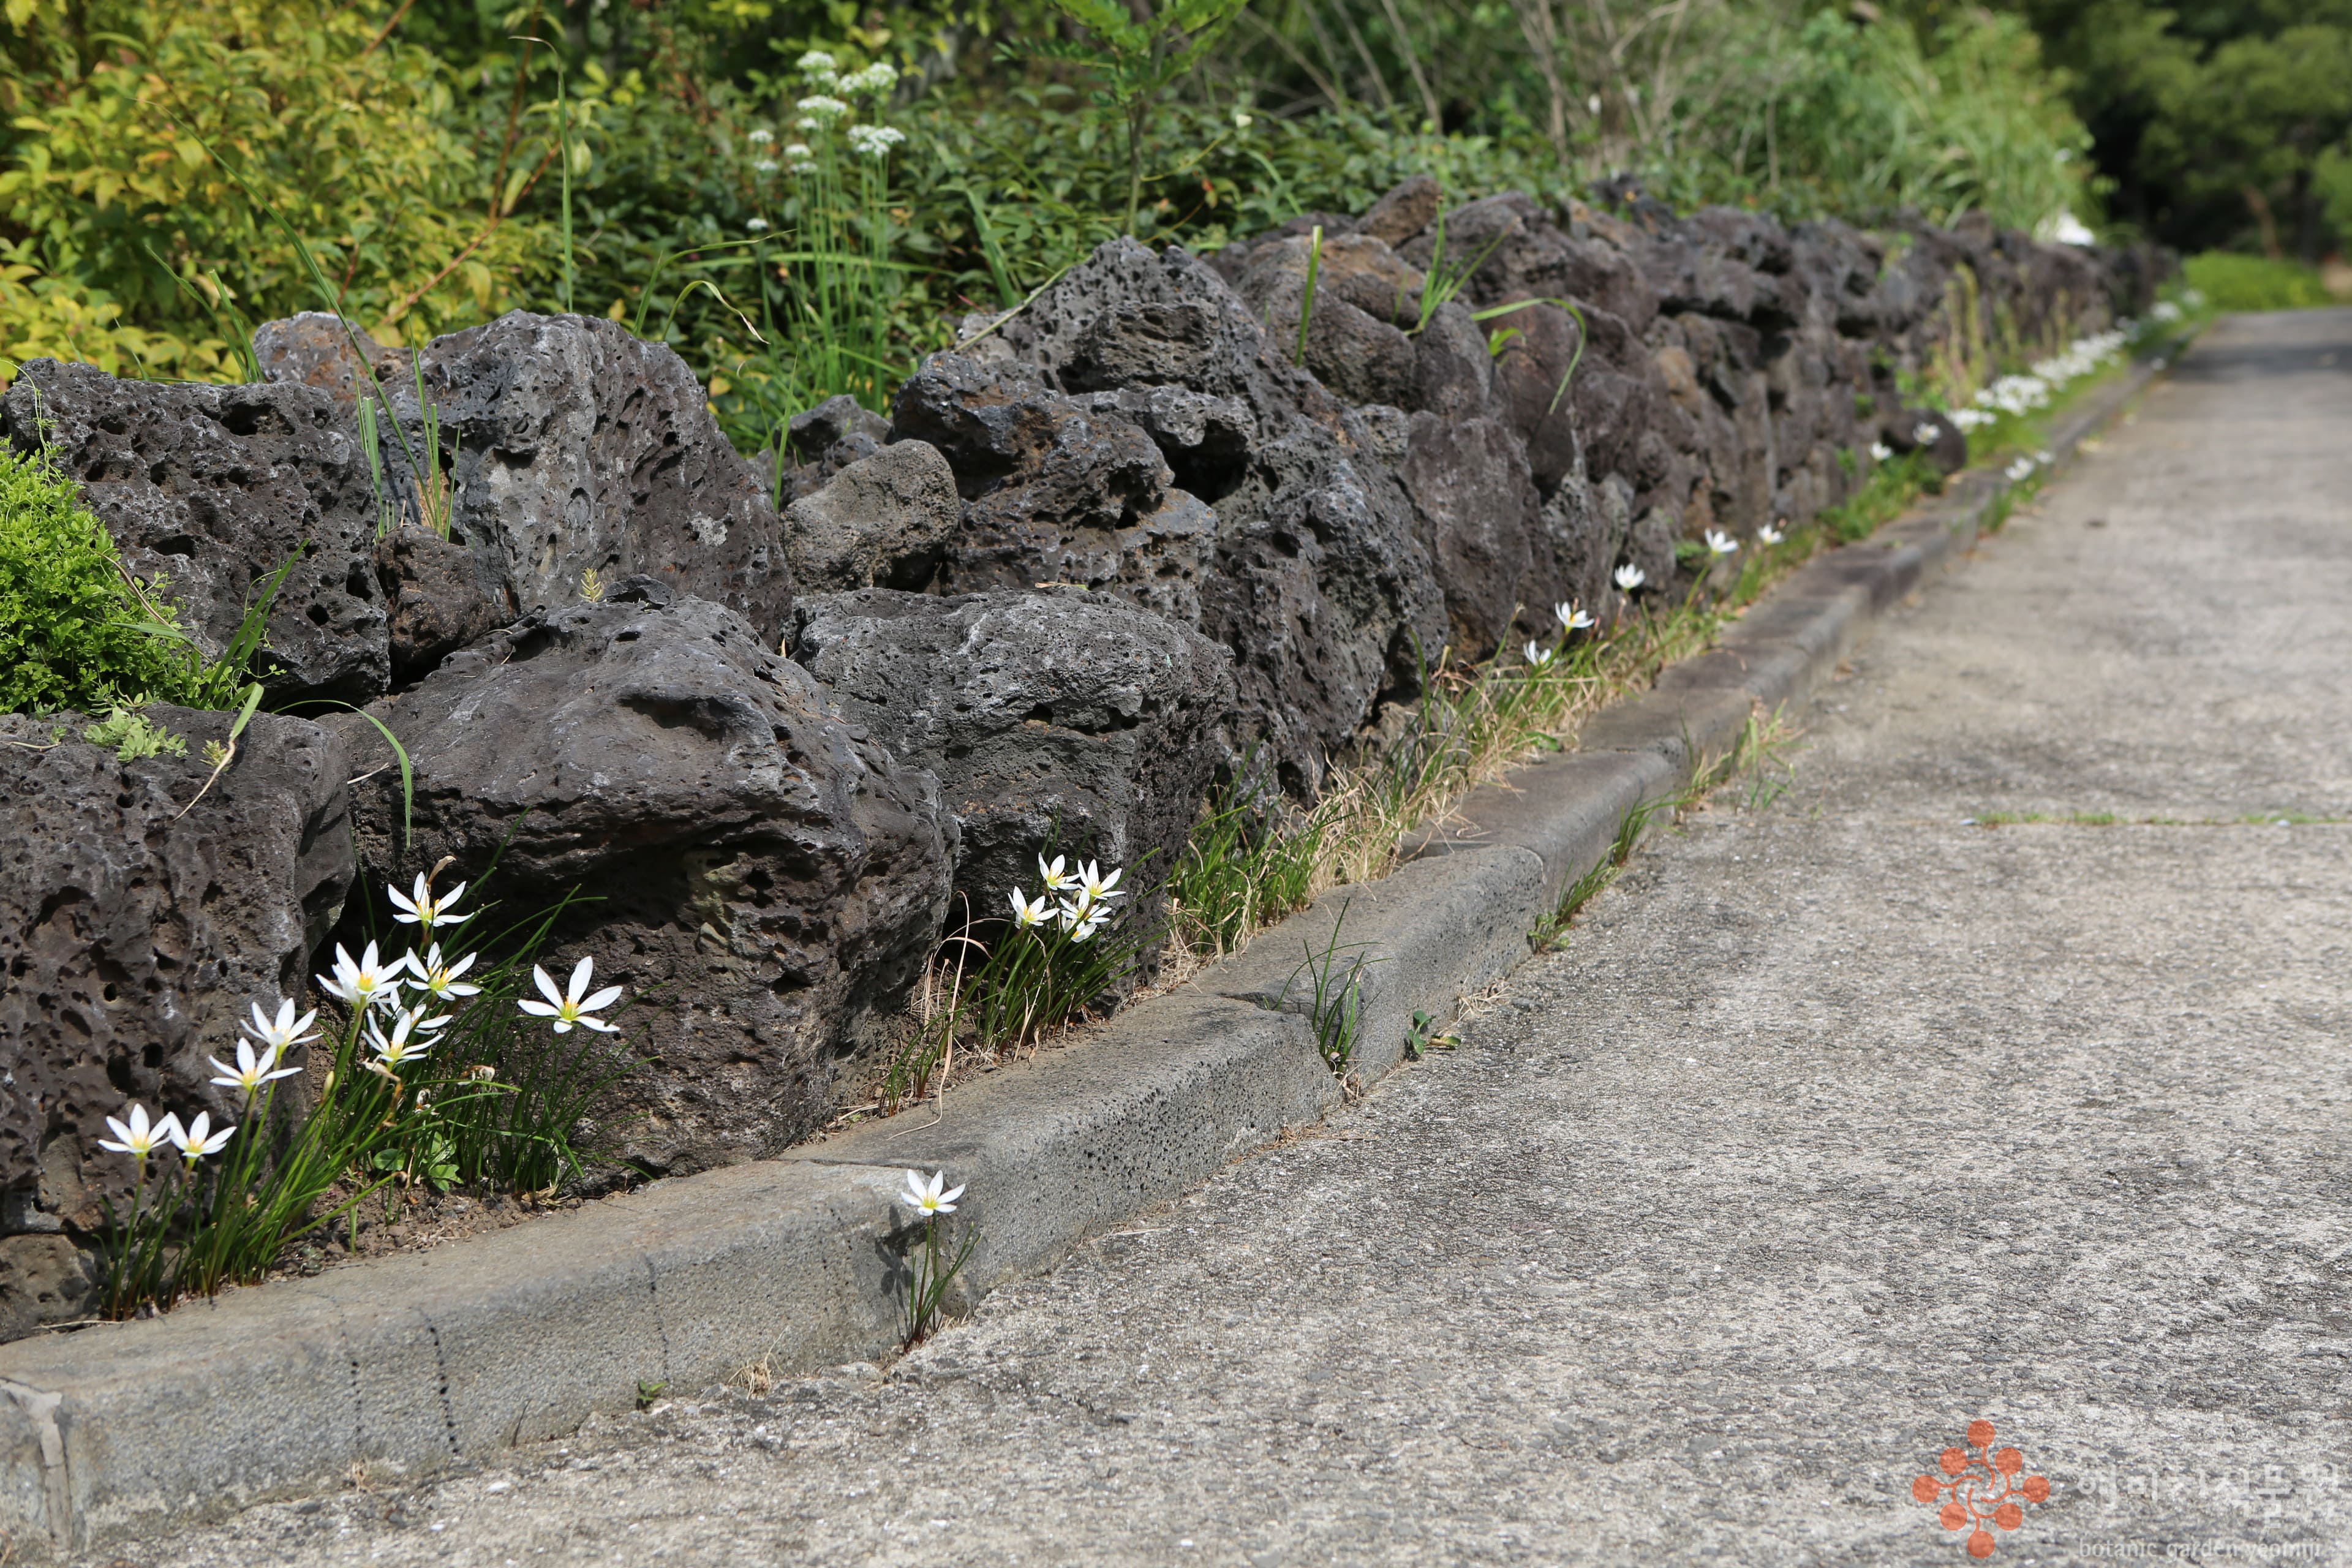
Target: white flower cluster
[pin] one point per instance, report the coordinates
(2164, 311)
(2021, 395)
(1077, 900)
(874, 141)
(400, 1035)
(819, 111)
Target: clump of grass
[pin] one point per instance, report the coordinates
(2230, 281)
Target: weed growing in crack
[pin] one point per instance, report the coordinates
(1335, 1012)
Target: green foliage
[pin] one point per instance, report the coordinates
(133, 736)
(68, 618)
(2233, 282)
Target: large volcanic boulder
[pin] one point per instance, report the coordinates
(1321, 586)
(210, 490)
(766, 878)
(886, 518)
(573, 446)
(135, 938)
(1060, 722)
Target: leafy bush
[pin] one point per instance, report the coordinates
(68, 621)
(2232, 282)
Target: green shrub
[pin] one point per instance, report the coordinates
(2232, 282)
(68, 622)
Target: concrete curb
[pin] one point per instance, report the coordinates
(412, 1363)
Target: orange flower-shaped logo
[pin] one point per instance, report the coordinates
(1981, 1486)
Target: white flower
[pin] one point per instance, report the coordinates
(816, 62)
(1971, 419)
(797, 150)
(757, 224)
(397, 1050)
(804, 168)
(874, 141)
(1571, 618)
(876, 79)
(197, 1138)
(283, 1033)
(423, 909)
(2164, 311)
(367, 984)
(439, 976)
(2194, 298)
(139, 1137)
(251, 1071)
(823, 110)
(2065, 228)
(1768, 535)
(1880, 451)
(575, 1006)
(761, 138)
(1053, 877)
(1241, 118)
(1630, 577)
(1720, 543)
(1925, 436)
(1538, 657)
(2044, 458)
(1094, 887)
(1087, 921)
(2021, 471)
(1028, 916)
(766, 166)
(925, 1197)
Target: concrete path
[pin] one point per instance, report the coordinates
(1840, 1124)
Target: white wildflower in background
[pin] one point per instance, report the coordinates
(874, 141)
(1971, 419)
(439, 976)
(567, 1008)
(2065, 229)
(283, 1032)
(1538, 657)
(409, 1038)
(766, 166)
(139, 1137)
(820, 110)
(926, 1198)
(820, 68)
(252, 1070)
(1571, 617)
(1028, 915)
(197, 1139)
(370, 983)
(1721, 543)
(2194, 298)
(1242, 120)
(2044, 458)
(2165, 311)
(1925, 436)
(761, 138)
(1630, 577)
(420, 908)
(1880, 451)
(876, 79)
(797, 151)
(2021, 471)
(1768, 535)
(805, 168)
(757, 225)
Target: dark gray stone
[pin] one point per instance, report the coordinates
(438, 601)
(211, 489)
(1469, 479)
(44, 1279)
(135, 939)
(768, 879)
(1063, 719)
(884, 520)
(581, 447)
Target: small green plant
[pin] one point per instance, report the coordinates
(1307, 300)
(1423, 1037)
(1336, 1011)
(134, 737)
(931, 1270)
(1244, 866)
(70, 617)
(1135, 60)
(649, 1392)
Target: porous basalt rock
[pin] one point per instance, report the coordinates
(209, 490)
(438, 601)
(762, 876)
(884, 519)
(135, 938)
(1060, 722)
(578, 448)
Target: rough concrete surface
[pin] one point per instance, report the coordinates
(1838, 1125)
